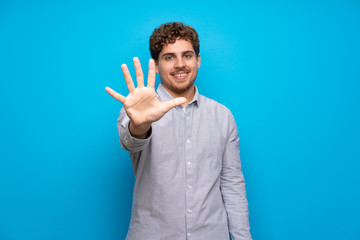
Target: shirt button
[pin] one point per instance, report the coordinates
(188, 141)
(189, 211)
(189, 234)
(187, 118)
(189, 163)
(189, 186)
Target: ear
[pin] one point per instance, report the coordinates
(156, 67)
(198, 61)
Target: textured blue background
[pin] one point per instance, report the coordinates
(289, 71)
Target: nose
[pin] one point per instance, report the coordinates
(179, 63)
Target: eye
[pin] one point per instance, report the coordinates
(187, 55)
(168, 58)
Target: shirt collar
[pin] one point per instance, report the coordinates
(164, 95)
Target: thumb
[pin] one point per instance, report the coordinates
(174, 103)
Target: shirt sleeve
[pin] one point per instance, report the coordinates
(232, 186)
(128, 142)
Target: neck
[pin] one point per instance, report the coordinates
(188, 94)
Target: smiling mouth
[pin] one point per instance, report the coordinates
(180, 75)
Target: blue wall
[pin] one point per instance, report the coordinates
(288, 70)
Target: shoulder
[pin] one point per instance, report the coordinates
(223, 117)
(217, 112)
(214, 106)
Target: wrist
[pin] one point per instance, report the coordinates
(140, 131)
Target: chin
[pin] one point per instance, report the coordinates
(181, 89)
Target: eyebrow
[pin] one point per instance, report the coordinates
(172, 54)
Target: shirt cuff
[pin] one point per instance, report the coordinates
(129, 142)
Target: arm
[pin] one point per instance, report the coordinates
(127, 141)
(232, 186)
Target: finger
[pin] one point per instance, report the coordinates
(151, 74)
(115, 95)
(173, 103)
(139, 72)
(128, 79)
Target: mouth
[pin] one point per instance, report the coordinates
(180, 75)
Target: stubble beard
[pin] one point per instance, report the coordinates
(179, 90)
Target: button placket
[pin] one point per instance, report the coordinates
(188, 168)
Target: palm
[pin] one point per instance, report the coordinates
(142, 105)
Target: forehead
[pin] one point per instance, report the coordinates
(179, 46)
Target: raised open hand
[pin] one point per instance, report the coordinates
(142, 105)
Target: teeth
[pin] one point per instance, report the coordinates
(180, 75)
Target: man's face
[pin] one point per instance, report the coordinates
(177, 65)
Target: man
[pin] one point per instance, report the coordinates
(184, 148)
